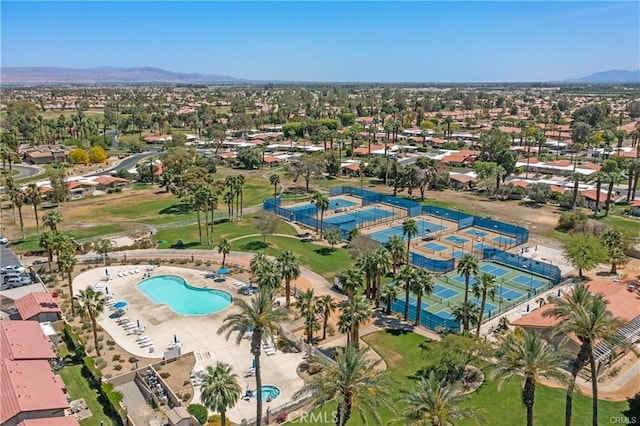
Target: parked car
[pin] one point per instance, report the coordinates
(15, 267)
(4, 240)
(248, 290)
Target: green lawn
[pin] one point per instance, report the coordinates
(404, 358)
(319, 259)
(78, 387)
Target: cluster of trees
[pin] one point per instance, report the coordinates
(94, 155)
(585, 250)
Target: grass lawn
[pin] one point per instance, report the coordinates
(403, 357)
(319, 259)
(78, 387)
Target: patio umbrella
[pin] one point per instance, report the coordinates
(253, 364)
(223, 271)
(175, 338)
(120, 305)
(106, 290)
(106, 272)
(138, 322)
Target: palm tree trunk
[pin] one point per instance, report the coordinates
(224, 258)
(598, 186)
(287, 291)
(578, 363)
(406, 304)
(199, 226)
(388, 312)
(21, 222)
(594, 389)
(465, 320)
(482, 303)
(73, 309)
(418, 309)
(95, 334)
(528, 393)
(223, 417)
(324, 326)
(35, 212)
(608, 200)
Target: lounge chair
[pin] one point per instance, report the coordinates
(141, 338)
(129, 326)
(136, 271)
(270, 351)
(146, 344)
(125, 273)
(120, 274)
(123, 320)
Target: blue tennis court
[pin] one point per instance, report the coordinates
(360, 216)
(444, 292)
(458, 254)
(481, 246)
(488, 307)
(445, 315)
(460, 278)
(476, 233)
(507, 294)
(502, 240)
(414, 302)
(456, 240)
(529, 281)
(424, 227)
(334, 204)
(434, 246)
(493, 270)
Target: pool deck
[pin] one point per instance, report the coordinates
(197, 334)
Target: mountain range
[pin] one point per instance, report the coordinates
(101, 75)
(104, 75)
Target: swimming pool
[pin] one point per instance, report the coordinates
(269, 393)
(176, 293)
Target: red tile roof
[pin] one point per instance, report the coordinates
(518, 182)
(51, 421)
(29, 386)
(33, 304)
(560, 163)
(591, 166)
(271, 159)
(461, 177)
(24, 340)
(591, 195)
(635, 203)
(352, 166)
(105, 180)
(558, 189)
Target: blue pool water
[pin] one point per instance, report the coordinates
(174, 291)
(269, 392)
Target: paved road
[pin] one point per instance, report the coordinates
(26, 170)
(6, 256)
(126, 163)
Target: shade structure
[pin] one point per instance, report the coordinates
(138, 323)
(106, 290)
(223, 271)
(120, 305)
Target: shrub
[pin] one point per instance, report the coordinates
(165, 374)
(186, 397)
(282, 417)
(110, 342)
(117, 367)
(133, 359)
(116, 357)
(569, 221)
(199, 412)
(216, 420)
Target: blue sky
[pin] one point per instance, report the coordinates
(330, 41)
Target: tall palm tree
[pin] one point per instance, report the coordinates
(351, 280)
(51, 219)
(382, 265)
(66, 262)
(407, 277)
(326, 305)
(289, 266)
(529, 356)
(241, 180)
(257, 262)
(33, 192)
(483, 287)
(48, 242)
(18, 201)
(220, 389)
(269, 277)
(409, 229)
(437, 402)
(322, 203)
(306, 303)
(264, 319)
(91, 304)
(390, 293)
(354, 381)
(467, 266)
(423, 286)
(224, 247)
(366, 262)
(355, 314)
(586, 316)
(275, 181)
(470, 310)
(395, 247)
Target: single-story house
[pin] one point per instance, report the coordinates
(106, 183)
(47, 154)
(41, 307)
(271, 161)
(81, 188)
(590, 198)
(350, 169)
(461, 181)
(634, 208)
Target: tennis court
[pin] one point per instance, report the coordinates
(360, 216)
(504, 241)
(529, 281)
(456, 240)
(507, 294)
(444, 292)
(482, 246)
(493, 270)
(476, 233)
(434, 246)
(488, 307)
(458, 254)
(424, 227)
(334, 204)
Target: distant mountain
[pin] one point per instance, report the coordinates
(105, 75)
(611, 76)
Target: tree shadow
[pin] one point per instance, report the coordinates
(182, 245)
(324, 251)
(176, 209)
(254, 246)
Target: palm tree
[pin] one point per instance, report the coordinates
(395, 247)
(225, 248)
(381, 266)
(529, 356)
(366, 262)
(437, 402)
(322, 203)
(264, 320)
(307, 304)
(241, 180)
(257, 262)
(326, 305)
(467, 266)
(409, 229)
(390, 293)
(269, 277)
(355, 314)
(91, 304)
(483, 287)
(351, 280)
(586, 316)
(470, 310)
(18, 201)
(423, 286)
(51, 219)
(275, 181)
(407, 277)
(289, 266)
(354, 381)
(66, 262)
(33, 192)
(220, 389)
